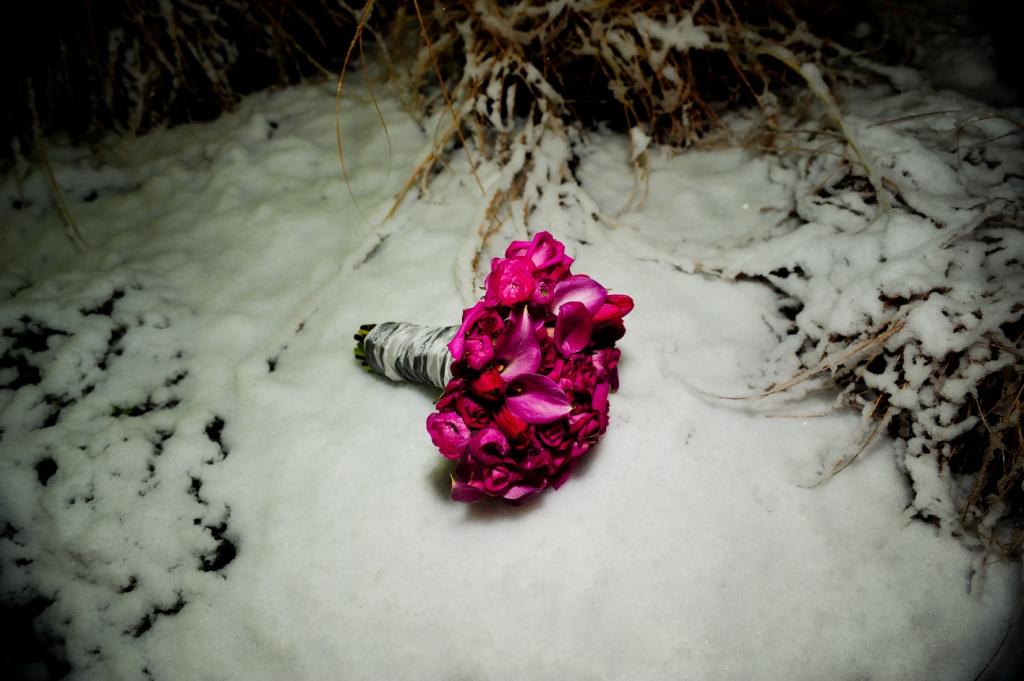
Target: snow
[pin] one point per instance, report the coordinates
(232, 497)
(663, 35)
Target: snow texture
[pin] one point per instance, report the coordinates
(200, 482)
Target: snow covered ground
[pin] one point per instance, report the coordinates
(198, 481)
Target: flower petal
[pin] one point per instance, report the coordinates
(449, 433)
(615, 308)
(599, 401)
(517, 249)
(581, 289)
(463, 492)
(518, 351)
(545, 251)
(510, 281)
(488, 446)
(519, 493)
(572, 328)
(536, 399)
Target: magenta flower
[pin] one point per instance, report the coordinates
(518, 352)
(581, 289)
(510, 281)
(545, 252)
(572, 328)
(536, 399)
(488, 446)
(449, 433)
(469, 318)
(479, 351)
(615, 307)
(528, 395)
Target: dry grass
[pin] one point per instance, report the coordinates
(92, 68)
(496, 80)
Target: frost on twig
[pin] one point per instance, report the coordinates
(916, 317)
(509, 88)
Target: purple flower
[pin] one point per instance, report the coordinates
(572, 328)
(488, 385)
(581, 289)
(544, 252)
(536, 399)
(579, 375)
(510, 281)
(528, 395)
(457, 344)
(518, 351)
(478, 351)
(474, 415)
(488, 446)
(615, 307)
(449, 433)
(606, 362)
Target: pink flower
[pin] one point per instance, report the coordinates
(606, 362)
(581, 289)
(474, 415)
(579, 375)
(615, 307)
(528, 395)
(488, 446)
(543, 289)
(488, 385)
(449, 433)
(572, 328)
(469, 317)
(553, 435)
(514, 428)
(518, 351)
(510, 281)
(544, 252)
(479, 351)
(536, 399)
(490, 323)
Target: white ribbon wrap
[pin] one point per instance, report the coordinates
(410, 352)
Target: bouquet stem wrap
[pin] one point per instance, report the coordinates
(410, 352)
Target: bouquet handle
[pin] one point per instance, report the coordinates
(407, 352)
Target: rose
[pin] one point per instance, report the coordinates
(553, 436)
(543, 289)
(544, 252)
(550, 360)
(510, 281)
(449, 433)
(488, 385)
(472, 413)
(451, 394)
(537, 459)
(490, 323)
(606, 362)
(615, 307)
(488, 446)
(514, 428)
(608, 326)
(479, 351)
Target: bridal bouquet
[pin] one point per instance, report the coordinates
(526, 376)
